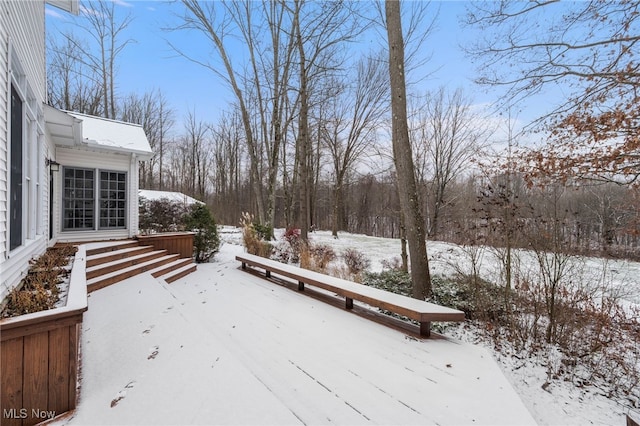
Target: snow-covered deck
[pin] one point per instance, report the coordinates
(225, 347)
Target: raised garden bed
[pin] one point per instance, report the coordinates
(40, 357)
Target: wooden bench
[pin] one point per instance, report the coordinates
(418, 310)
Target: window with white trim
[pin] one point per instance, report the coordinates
(113, 196)
(26, 135)
(16, 175)
(81, 206)
(78, 206)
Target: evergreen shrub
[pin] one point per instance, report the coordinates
(206, 241)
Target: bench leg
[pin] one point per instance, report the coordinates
(425, 328)
(300, 286)
(348, 303)
(244, 265)
(267, 274)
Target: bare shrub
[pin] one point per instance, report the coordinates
(252, 239)
(357, 262)
(321, 255)
(393, 264)
(587, 337)
(316, 257)
(305, 256)
(287, 250)
(281, 252)
(341, 271)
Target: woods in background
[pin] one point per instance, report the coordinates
(307, 141)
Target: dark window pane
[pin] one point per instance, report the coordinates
(78, 199)
(112, 199)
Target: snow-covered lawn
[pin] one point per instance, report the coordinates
(622, 276)
(222, 346)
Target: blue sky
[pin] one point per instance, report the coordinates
(150, 63)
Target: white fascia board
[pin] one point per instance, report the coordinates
(71, 6)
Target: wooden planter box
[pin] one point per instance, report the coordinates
(40, 357)
(174, 242)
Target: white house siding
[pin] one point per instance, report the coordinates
(133, 195)
(4, 131)
(22, 55)
(78, 157)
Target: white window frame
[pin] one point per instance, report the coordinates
(32, 163)
(97, 199)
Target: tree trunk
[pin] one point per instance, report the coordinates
(403, 158)
(338, 220)
(403, 245)
(303, 140)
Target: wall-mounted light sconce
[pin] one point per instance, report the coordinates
(53, 165)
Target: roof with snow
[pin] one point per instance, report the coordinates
(177, 197)
(73, 129)
(113, 135)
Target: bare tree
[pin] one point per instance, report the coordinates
(447, 135)
(71, 85)
(547, 240)
(152, 112)
(319, 29)
(164, 125)
(303, 144)
(589, 48)
(403, 158)
(104, 29)
(226, 175)
(195, 151)
(212, 20)
(279, 66)
(349, 130)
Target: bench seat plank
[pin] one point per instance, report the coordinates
(418, 310)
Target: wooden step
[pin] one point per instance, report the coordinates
(110, 246)
(118, 275)
(111, 256)
(175, 270)
(169, 267)
(179, 273)
(106, 268)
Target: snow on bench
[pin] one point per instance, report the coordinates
(418, 310)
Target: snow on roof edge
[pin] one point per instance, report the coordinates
(113, 135)
(170, 195)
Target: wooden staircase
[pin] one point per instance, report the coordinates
(111, 263)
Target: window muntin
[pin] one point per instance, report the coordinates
(87, 197)
(113, 196)
(16, 190)
(78, 205)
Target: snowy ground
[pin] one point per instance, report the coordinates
(222, 346)
(620, 276)
(558, 403)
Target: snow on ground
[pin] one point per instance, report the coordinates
(555, 403)
(621, 276)
(222, 346)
